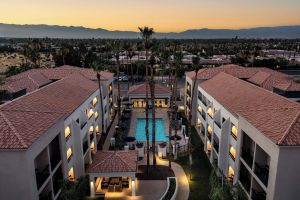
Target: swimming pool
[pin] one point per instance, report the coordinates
(140, 133)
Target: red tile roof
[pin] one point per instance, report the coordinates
(35, 78)
(141, 89)
(25, 119)
(261, 76)
(114, 161)
(275, 116)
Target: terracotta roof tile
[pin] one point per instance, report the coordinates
(114, 161)
(141, 89)
(31, 115)
(275, 116)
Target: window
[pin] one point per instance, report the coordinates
(90, 113)
(97, 130)
(95, 100)
(92, 147)
(209, 129)
(71, 174)
(199, 109)
(232, 152)
(234, 131)
(67, 132)
(96, 114)
(91, 129)
(230, 173)
(210, 112)
(69, 154)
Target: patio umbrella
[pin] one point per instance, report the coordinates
(177, 137)
(129, 139)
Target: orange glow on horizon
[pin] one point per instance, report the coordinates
(164, 16)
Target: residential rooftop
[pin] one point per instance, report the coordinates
(260, 76)
(25, 119)
(275, 116)
(36, 78)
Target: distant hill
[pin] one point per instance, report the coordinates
(41, 31)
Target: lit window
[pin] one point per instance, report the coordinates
(110, 88)
(90, 112)
(198, 122)
(67, 132)
(97, 129)
(232, 152)
(91, 129)
(96, 115)
(92, 147)
(208, 146)
(209, 129)
(210, 112)
(199, 109)
(95, 100)
(234, 131)
(230, 173)
(71, 174)
(69, 153)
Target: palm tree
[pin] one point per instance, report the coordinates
(146, 34)
(116, 50)
(101, 105)
(152, 94)
(127, 48)
(196, 61)
(131, 54)
(177, 59)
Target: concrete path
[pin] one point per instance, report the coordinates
(183, 183)
(110, 134)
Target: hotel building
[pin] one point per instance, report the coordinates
(49, 132)
(251, 135)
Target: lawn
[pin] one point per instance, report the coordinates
(199, 185)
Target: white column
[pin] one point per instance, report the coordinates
(92, 186)
(132, 186)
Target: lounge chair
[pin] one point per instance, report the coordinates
(111, 188)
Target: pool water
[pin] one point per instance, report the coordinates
(140, 133)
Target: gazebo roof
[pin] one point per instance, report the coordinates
(114, 162)
(141, 89)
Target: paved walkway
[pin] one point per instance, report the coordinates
(183, 183)
(110, 134)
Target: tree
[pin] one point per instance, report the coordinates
(146, 34)
(116, 49)
(101, 105)
(196, 67)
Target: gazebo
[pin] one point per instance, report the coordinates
(113, 171)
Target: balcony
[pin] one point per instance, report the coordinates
(57, 180)
(54, 150)
(42, 170)
(216, 146)
(261, 165)
(85, 146)
(258, 192)
(245, 178)
(247, 149)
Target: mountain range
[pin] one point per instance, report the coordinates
(54, 31)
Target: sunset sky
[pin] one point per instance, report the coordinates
(163, 15)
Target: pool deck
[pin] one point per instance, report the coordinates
(140, 113)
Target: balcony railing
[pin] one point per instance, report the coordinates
(41, 175)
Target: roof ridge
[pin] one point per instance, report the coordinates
(34, 82)
(288, 129)
(13, 129)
